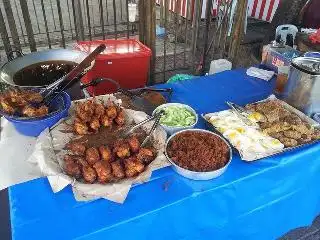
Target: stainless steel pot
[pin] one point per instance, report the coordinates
(8, 70)
(303, 87)
(198, 175)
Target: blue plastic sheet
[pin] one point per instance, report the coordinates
(258, 200)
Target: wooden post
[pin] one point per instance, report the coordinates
(12, 24)
(4, 35)
(142, 20)
(162, 13)
(206, 34)
(196, 21)
(78, 20)
(238, 29)
(28, 25)
(147, 30)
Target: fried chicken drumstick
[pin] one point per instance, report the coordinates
(91, 115)
(125, 159)
(20, 101)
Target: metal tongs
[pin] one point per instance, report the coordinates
(55, 89)
(134, 95)
(242, 113)
(156, 117)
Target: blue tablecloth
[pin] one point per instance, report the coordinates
(258, 200)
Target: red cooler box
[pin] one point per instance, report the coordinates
(125, 61)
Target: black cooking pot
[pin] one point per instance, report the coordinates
(39, 69)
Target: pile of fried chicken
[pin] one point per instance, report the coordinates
(21, 102)
(124, 159)
(91, 115)
(280, 123)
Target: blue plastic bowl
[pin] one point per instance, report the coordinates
(34, 127)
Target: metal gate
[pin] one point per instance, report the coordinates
(32, 25)
(194, 35)
(184, 42)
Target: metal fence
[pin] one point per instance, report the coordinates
(184, 42)
(190, 42)
(56, 23)
(174, 47)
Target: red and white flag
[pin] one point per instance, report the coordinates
(258, 9)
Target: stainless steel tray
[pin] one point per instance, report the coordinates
(304, 117)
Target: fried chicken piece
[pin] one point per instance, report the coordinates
(277, 127)
(85, 110)
(99, 110)
(80, 127)
(78, 108)
(17, 98)
(284, 112)
(112, 112)
(92, 155)
(273, 115)
(145, 155)
(105, 153)
(305, 138)
(71, 167)
(292, 119)
(30, 111)
(42, 111)
(89, 106)
(292, 134)
(33, 97)
(19, 101)
(302, 128)
(89, 174)
(288, 142)
(277, 135)
(133, 167)
(106, 121)
(76, 148)
(82, 161)
(267, 107)
(6, 106)
(315, 135)
(117, 170)
(95, 124)
(68, 159)
(134, 144)
(264, 125)
(120, 119)
(121, 148)
(104, 172)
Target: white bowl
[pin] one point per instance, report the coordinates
(172, 130)
(198, 175)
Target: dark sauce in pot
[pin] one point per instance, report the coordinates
(43, 73)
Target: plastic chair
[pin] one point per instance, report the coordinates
(286, 34)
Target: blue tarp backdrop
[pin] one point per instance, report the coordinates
(258, 200)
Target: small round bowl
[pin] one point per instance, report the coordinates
(198, 175)
(172, 130)
(34, 127)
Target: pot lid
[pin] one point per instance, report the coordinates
(307, 64)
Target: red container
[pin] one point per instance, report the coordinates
(125, 61)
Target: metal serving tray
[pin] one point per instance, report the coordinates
(304, 117)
